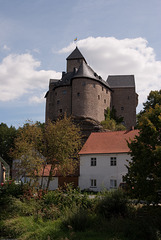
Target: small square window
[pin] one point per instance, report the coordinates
(60, 110)
(113, 183)
(83, 83)
(122, 108)
(93, 162)
(64, 92)
(58, 101)
(93, 183)
(113, 161)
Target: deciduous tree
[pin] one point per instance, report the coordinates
(144, 171)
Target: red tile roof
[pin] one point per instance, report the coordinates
(108, 142)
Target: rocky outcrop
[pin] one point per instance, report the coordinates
(87, 126)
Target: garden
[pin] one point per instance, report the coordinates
(67, 214)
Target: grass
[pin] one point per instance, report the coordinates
(70, 216)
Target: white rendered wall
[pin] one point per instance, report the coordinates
(102, 172)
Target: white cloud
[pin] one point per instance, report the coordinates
(111, 56)
(19, 76)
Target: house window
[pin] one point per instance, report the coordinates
(113, 161)
(93, 162)
(113, 183)
(98, 97)
(93, 183)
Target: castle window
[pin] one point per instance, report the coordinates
(58, 101)
(55, 93)
(122, 108)
(64, 92)
(78, 94)
(60, 110)
(98, 97)
(106, 91)
(83, 83)
(128, 97)
(104, 100)
(102, 88)
(94, 85)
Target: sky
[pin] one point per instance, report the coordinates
(36, 36)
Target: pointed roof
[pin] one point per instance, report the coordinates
(76, 54)
(85, 71)
(108, 142)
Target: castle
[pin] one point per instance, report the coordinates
(81, 93)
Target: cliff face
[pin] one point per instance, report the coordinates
(87, 125)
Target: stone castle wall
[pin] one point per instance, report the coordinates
(89, 98)
(124, 101)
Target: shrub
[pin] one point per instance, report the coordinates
(76, 219)
(113, 203)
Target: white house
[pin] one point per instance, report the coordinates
(103, 159)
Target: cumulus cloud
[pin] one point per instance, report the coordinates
(19, 75)
(111, 56)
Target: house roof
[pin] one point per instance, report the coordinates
(108, 142)
(117, 81)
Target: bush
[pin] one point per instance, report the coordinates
(113, 203)
(76, 219)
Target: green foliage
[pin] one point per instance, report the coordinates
(113, 203)
(7, 136)
(76, 219)
(55, 143)
(143, 177)
(66, 199)
(112, 122)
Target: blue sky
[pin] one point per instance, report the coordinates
(36, 36)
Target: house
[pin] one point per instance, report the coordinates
(83, 94)
(58, 180)
(103, 159)
(4, 171)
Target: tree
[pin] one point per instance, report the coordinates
(144, 171)
(112, 122)
(153, 98)
(28, 151)
(57, 142)
(7, 136)
(62, 144)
